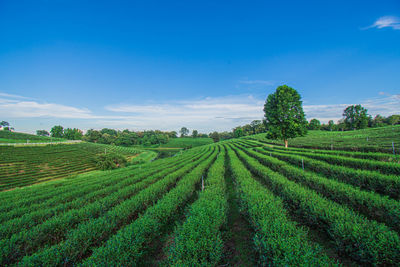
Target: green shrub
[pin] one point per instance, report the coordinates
(110, 161)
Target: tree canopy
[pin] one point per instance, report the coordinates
(4, 123)
(314, 124)
(355, 117)
(184, 131)
(284, 115)
(57, 131)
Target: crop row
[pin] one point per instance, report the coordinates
(372, 205)
(198, 240)
(31, 195)
(364, 240)
(360, 155)
(34, 215)
(103, 215)
(130, 243)
(389, 168)
(367, 180)
(278, 240)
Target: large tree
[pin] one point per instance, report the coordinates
(57, 131)
(4, 123)
(284, 115)
(314, 125)
(215, 136)
(195, 133)
(355, 117)
(184, 131)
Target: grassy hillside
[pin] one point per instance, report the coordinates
(20, 166)
(186, 142)
(14, 137)
(233, 203)
(371, 139)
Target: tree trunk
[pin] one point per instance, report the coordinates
(286, 143)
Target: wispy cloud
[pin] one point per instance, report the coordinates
(386, 22)
(205, 114)
(385, 105)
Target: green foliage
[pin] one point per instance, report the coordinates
(42, 133)
(57, 131)
(393, 119)
(184, 131)
(355, 117)
(366, 140)
(364, 240)
(195, 133)
(214, 136)
(186, 142)
(284, 116)
(238, 132)
(198, 242)
(25, 165)
(72, 134)
(269, 217)
(110, 161)
(119, 217)
(4, 124)
(314, 125)
(15, 137)
(97, 220)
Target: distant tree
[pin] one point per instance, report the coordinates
(184, 131)
(72, 134)
(238, 132)
(57, 131)
(109, 131)
(42, 133)
(355, 117)
(378, 121)
(215, 136)
(195, 133)
(331, 125)
(202, 135)
(173, 134)
(4, 124)
(225, 135)
(393, 119)
(314, 125)
(110, 161)
(284, 115)
(92, 136)
(340, 126)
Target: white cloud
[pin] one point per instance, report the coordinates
(386, 22)
(32, 109)
(206, 114)
(385, 106)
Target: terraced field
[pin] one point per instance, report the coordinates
(21, 166)
(14, 137)
(238, 202)
(381, 139)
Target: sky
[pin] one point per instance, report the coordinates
(205, 65)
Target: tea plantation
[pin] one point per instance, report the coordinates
(241, 202)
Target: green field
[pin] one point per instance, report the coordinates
(186, 142)
(241, 202)
(14, 137)
(25, 165)
(371, 139)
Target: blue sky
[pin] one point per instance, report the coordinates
(206, 65)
